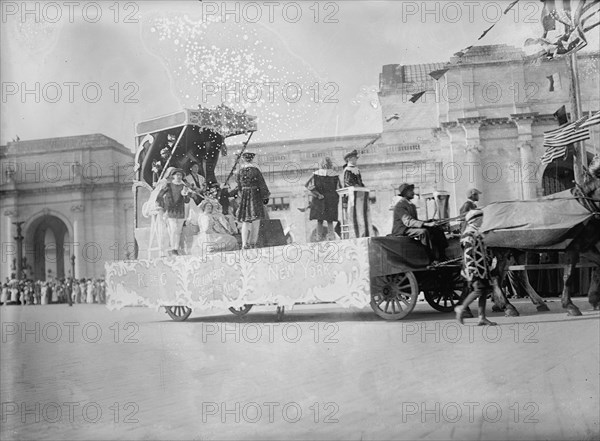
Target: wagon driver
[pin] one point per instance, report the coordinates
(406, 223)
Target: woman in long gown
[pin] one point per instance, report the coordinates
(90, 292)
(324, 206)
(215, 232)
(152, 208)
(44, 293)
(55, 293)
(4, 295)
(254, 195)
(82, 291)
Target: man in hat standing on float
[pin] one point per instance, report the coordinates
(172, 199)
(352, 176)
(406, 223)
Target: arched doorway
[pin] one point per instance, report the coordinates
(559, 174)
(45, 241)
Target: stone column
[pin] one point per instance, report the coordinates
(528, 167)
(456, 143)
(9, 244)
(473, 165)
(127, 245)
(78, 240)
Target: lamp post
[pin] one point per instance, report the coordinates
(19, 238)
(73, 265)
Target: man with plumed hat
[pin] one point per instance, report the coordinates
(407, 223)
(352, 176)
(172, 199)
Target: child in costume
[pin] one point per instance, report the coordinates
(477, 268)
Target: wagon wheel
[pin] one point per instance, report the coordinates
(178, 313)
(241, 311)
(394, 296)
(448, 294)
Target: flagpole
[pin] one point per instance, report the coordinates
(580, 154)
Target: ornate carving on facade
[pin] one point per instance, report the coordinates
(46, 211)
(10, 213)
(527, 146)
(472, 120)
(78, 208)
(528, 116)
(496, 122)
(9, 175)
(474, 149)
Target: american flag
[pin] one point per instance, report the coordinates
(557, 141)
(593, 120)
(566, 134)
(553, 153)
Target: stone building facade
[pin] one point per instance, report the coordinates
(73, 196)
(481, 125)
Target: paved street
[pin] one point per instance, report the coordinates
(322, 373)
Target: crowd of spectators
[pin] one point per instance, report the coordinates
(38, 292)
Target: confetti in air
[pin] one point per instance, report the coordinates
(244, 66)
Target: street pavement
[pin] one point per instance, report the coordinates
(324, 372)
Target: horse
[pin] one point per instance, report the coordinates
(583, 240)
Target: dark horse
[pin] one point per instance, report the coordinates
(584, 241)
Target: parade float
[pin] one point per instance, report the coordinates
(387, 273)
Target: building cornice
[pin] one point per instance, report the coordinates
(497, 122)
(70, 188)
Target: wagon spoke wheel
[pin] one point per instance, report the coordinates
(241, 311)
(178, 313)
(447, 294)
(393, 297)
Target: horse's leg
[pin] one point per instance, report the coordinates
(499, 298)
(520, 281)
(573, 258)
(594, 291)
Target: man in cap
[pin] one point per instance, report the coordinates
(407, 223)
(470, 204)
(172, 199)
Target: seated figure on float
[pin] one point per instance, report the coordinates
(215, 235)
(212, 195)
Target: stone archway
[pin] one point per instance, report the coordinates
(45, 240)
(559, 174)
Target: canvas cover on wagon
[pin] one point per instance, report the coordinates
(548, 223)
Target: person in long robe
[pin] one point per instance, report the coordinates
(325, 199)
(254, 194)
